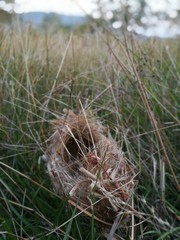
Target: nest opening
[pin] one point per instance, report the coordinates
(77, 147)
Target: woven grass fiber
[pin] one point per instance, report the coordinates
(88, 168)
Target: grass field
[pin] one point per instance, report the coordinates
(132, 85)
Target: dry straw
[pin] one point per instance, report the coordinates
(87, 168)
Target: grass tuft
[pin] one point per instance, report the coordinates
(131, 84)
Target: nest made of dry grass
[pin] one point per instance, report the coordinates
(87, 167)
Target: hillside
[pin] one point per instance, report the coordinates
(38, 18)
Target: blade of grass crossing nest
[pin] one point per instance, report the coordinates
(88, 127)
(87, 213)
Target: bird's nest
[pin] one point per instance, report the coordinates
(88, 168)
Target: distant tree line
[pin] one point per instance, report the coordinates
(137, 13)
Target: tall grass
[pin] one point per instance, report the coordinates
(132, 85)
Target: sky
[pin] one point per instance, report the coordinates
(69, 7)
(76, 7)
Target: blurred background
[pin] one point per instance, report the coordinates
(160, 18)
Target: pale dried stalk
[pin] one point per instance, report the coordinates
(151, 116)
(150, 112)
